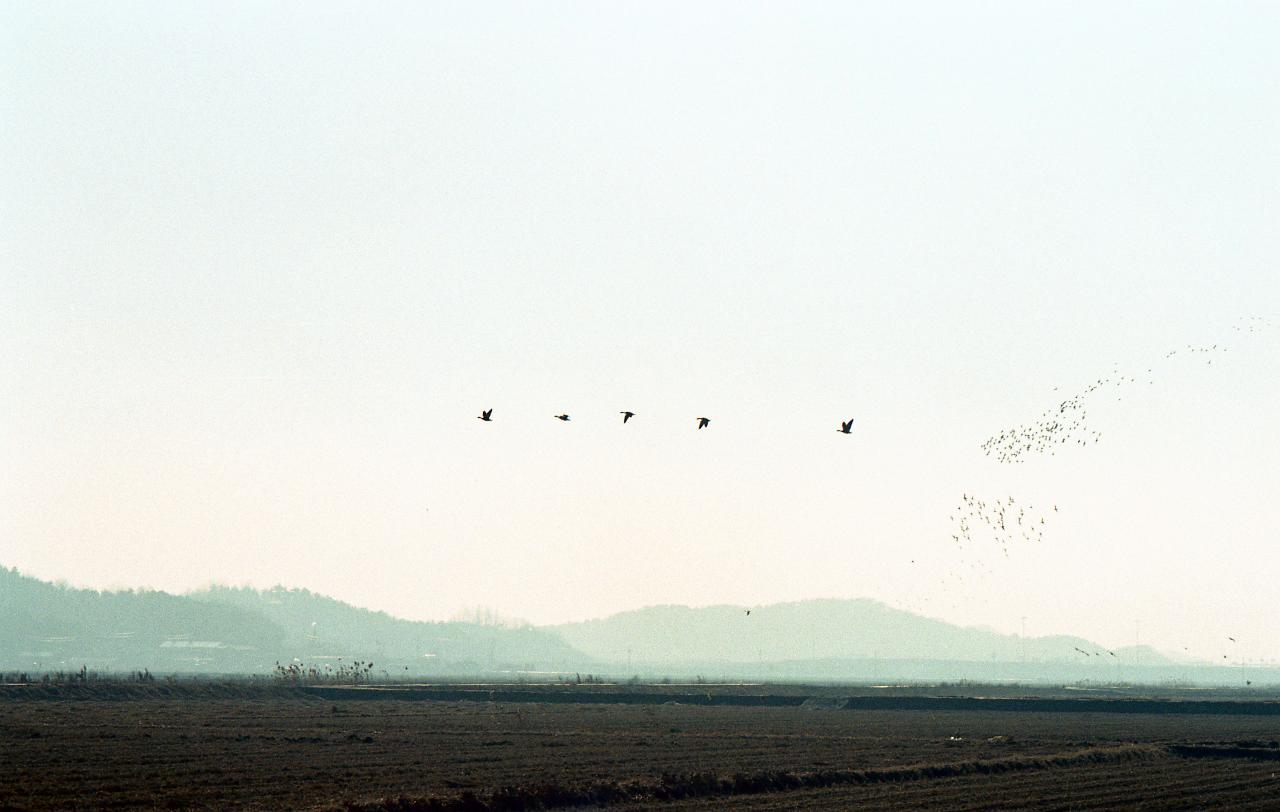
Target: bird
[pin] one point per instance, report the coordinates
(846, 427)
(748, 611)
(486, 415)
(627, 416)
(703, 422)
(563, 417)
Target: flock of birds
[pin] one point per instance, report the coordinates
(1054, 428)
(1061, 427)
(1100, 654)
(846, 426)
(1006, 520)
(1066, 424)
(1093, 653)
(1254, 324)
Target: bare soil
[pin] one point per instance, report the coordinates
(302, 751)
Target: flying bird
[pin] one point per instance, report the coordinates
(703, 422)
(563, 417)
(486, 415)
(627, 416)
(846, 427)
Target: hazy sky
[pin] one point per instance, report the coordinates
(261, 265)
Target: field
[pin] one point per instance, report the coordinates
(674, 751)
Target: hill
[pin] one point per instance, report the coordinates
(815, 631)
(48, 627)
(326, 628)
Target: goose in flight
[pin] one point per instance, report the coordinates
(486, 415)
(563, 417)
(627, 416)
(703, 422)
(846, 427)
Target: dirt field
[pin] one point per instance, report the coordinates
(320, 753)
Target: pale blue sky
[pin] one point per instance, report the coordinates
(262, 265)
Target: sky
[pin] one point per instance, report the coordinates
(263, 264)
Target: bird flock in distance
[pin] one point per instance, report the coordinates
(1005, 520)
(1059, 428)
(846, 426)
(1094, 653)
(1066, 424)
(1254, 324)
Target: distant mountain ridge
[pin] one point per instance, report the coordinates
(812, 630)
(44, 626)
(327, 627)
(221, 629)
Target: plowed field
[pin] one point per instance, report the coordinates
(318, 753)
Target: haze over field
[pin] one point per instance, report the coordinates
(54, 628)
(262, 265)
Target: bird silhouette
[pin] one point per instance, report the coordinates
(563, 417)
(627, 416)
(703, 422)
(846, 427)
(486, 415)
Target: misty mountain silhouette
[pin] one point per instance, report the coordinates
(811, 630)
(44, 626)
(48, 627)
(327, 627)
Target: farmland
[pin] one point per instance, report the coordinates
(300, 749)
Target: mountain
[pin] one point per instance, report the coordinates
(48, 627)
(812, 630)
(44, 626)
(326, 628)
